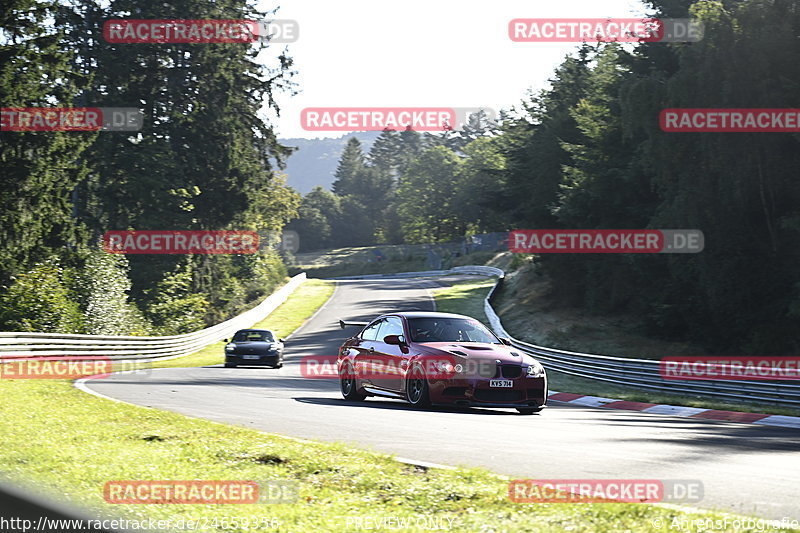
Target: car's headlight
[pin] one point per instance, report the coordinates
(444, 366)
(535, 370)
(230, 347)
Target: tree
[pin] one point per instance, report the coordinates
(40, 169)
(427, 195)
(351, 164)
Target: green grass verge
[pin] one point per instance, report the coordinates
(69, 444)
(466, 297)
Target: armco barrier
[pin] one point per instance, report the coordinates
(22, 344)
(639, 373)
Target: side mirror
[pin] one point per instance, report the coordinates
(281, 340)
(397, 340)
(505, 340)
(225, 341)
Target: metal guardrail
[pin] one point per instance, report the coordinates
(25, 344)
(640, 373)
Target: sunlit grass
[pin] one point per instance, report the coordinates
(70, 444)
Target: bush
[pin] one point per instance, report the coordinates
(102, 287)
(39, 300)
(175, 308)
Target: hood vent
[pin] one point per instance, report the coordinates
(476, 347)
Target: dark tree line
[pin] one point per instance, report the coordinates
(200, 162)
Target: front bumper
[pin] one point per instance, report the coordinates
(525, 392)
(263, 359)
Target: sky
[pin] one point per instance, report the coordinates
(419, 53)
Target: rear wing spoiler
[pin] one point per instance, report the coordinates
(343, 324)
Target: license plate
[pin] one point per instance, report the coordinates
(251, 356)
(503, 383)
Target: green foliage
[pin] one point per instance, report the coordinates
(204, 159)
(427, 194)
(175, 307)
(40, 169)
(102, 287)
(39, 300)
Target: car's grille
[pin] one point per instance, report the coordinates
(509, 371)
(489, 395)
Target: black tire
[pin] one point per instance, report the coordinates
(417, 390)
(230, 365)
(529, 410)
(279, 364)
(348, 385)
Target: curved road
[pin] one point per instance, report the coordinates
(748, 469)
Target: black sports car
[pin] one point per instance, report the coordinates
(254, 347)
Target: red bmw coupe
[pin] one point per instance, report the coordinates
(438, 358)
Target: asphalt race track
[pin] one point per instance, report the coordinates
(747, 469)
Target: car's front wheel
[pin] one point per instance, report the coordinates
(529, 410)
(417, 390)
(230, 365)
(347, 382)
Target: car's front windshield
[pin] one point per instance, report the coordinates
(253, 336)
(434, 329)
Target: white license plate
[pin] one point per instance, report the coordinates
(250, 356)
(503, 383)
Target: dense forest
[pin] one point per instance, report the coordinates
(588, 153)
(200, 162)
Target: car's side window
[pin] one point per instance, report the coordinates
(393, 326)
(370, 333)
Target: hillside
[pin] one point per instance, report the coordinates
(314, 162)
